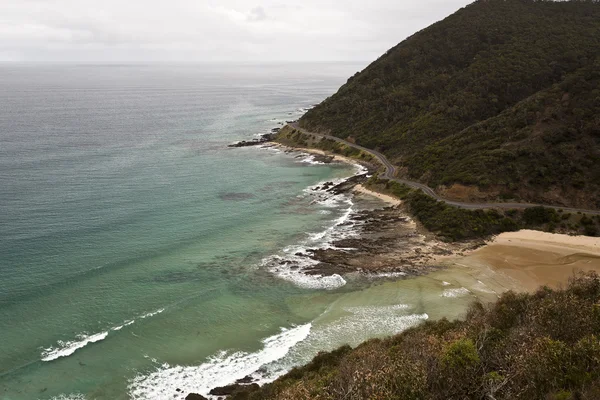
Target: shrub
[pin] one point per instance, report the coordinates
(461, 354)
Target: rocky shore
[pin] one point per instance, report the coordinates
(241, 387)
(389, 242)
(267, 137)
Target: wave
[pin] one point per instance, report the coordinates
(72, 396)
(280, 352)
(455, 292)
(482, 287)
(126, 323)
(152, 314)
(221, 369)
(387, 275)
(292, 262)
(66, 348)
(347, 325)
(310, 159)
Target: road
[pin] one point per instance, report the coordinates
(390, 173)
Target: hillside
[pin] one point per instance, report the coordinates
(501, 100)
(518, 348)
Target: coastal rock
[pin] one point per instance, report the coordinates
(347, 185)
(388, 241)
(325, 159)
(224, 390)
(268, 137)
(235, 389)
(195, 396)
(245, 380)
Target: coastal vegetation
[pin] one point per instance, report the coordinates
(455, 224)
(294, 138)
(544, 345)
(501, 98)
(449, 222)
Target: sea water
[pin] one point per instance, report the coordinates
(141, 258)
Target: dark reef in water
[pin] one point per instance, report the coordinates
(235, 196)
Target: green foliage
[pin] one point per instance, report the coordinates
(516, 349)
(540, 215)
(295, 138)
(456, 224)
(461, 354)
(503, 95)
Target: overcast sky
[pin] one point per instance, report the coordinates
(209, 31)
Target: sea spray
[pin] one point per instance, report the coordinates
(221, 369)
(292, 263)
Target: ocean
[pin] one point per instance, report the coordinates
(140, 257)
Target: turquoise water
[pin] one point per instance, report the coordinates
(137, 250)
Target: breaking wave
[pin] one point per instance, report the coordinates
(221, 369)
(66, 348)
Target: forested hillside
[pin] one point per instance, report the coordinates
(500, 100)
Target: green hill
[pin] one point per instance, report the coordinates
(501, 100)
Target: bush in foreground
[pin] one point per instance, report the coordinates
(542, 346)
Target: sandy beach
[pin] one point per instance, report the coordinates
(384, 197)
(336, 157)
(532, 258)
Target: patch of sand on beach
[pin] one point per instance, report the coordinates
(532, 259)
(336, 157)
(388, 199)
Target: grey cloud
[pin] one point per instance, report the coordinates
(257, 14)
(210, 30)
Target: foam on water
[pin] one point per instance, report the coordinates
(386, 275)
(310, 159)
(66, 348)
(482, 287)
(221, 369)
(126, 323)
(377, 320)
(353, 325)
(72, 396)
(289, 266)
(455, 292)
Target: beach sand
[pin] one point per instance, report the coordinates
(336, 157)
(531, 259)
(388, 199)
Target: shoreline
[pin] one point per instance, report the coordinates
(387, 241)
(528, 258)
(532, 259)
(391, 247)
(384, 197)
(334, 157)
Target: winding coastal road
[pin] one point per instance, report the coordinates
(390, 174)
